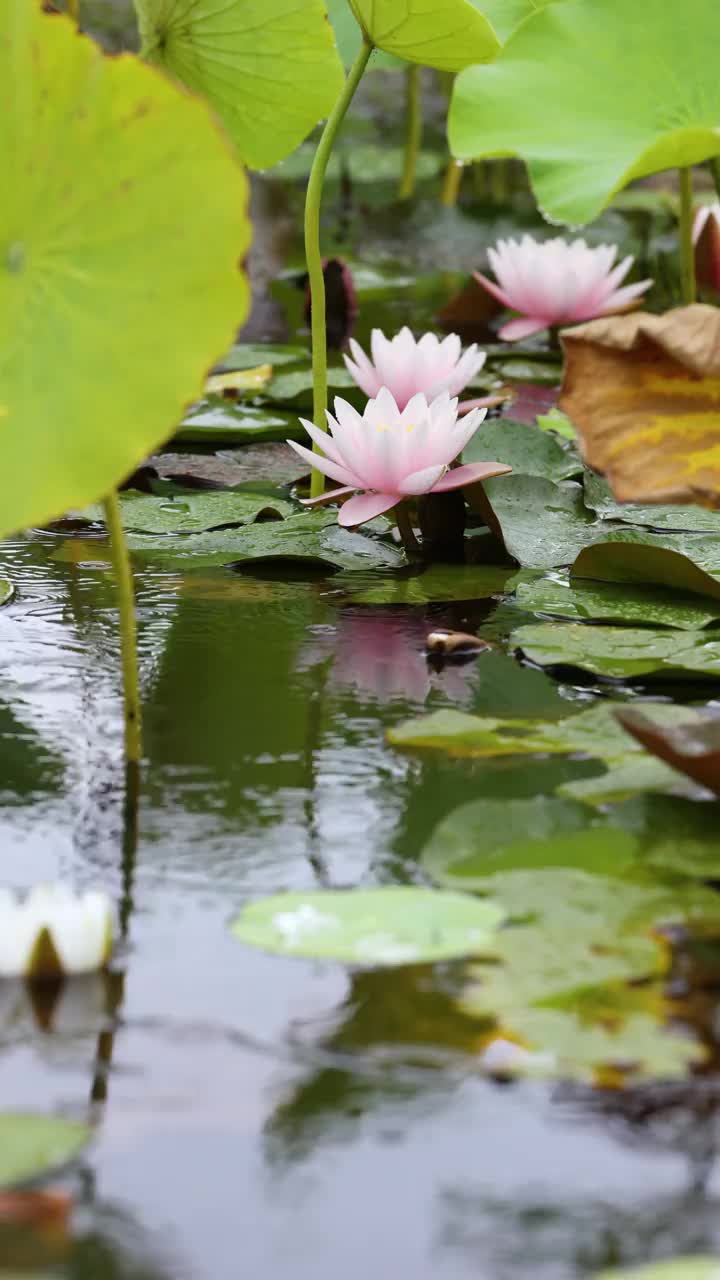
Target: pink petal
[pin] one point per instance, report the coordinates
(457, 477)
(365, 506)
(328, 468)
(522, 328)
(421, 481)
(326, 498)
(494, 289)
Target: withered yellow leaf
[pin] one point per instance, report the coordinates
(240, 380)
(643, 392)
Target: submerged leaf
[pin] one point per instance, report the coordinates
(592, 101)
(108, 251)
(692, 748)
(370, 927)
(644, 394)
(269, 68)
(32, 1144)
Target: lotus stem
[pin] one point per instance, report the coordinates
(407, 533)
(313, 255)
(715, 171)
(72, 9)
(451, 184)
(128, 629)
(687, 251)
(413, 133)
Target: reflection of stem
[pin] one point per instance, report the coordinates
(313, 254)
(407, 533)
(451, 184)
(413, 133)
(314, 727)
(687, 255)
(128, 627)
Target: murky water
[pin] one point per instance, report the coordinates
(266, 1116)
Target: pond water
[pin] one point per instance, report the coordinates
(281, 1117)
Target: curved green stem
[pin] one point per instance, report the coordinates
(313, 254)
(687, 251)
(451, 184)
(72, 9)
(128, 628)
(413, 133)
(715, 171)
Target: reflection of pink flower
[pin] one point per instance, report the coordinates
(391, 455)
(381, 655)
(406, 366)
(706, 238)
(557, 282)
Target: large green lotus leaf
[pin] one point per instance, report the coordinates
(446, 34)
(592, 100)
(119, 287)
(32, 1144)
(543, 524)
(620, 653)
(693, 519)
(196, 512)
(527, 450)
(589, 601)
(387, 926)
(310, 537)
(593, 732)
(506, 15)
(269, 68)
(697, 1268)
(683, 562)
(348, 38)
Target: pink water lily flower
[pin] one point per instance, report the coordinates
(391, 454)
(557, 282)
(406, 366)
(706, 238)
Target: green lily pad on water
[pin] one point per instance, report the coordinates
(544, 524)
(270, 71)
(528, 451)
(311, 537)
(681, 562)
(628, 776)
(691, 519)
(250, 355)
(557, 422)
(566, 86)
(197, 512)
(230, 422)
(590, 601)
(592, 732)
(32, 1144)
(620, 653)
(134, 152)
(698, 1268)
(7, 591)
(439, 582)
(386, 926)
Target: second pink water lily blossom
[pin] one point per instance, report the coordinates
(557, 282)
(389, 454)
(406, 365)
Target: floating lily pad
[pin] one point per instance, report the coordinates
(450, 35)
(593, 732)
(387, 926)
(591, 103)
(295, 388)
(271, 71)
(697, 1268)
(628, 776)
(620, 653)
(692, 748)
(32, 1144)
(557, 422)
(686, 562)
(693, 519)
(248, 355)
(439, 582)
(7, 591)
(615, 602)
(310, 537)
(227, 422)
(528, 451)
(196, 512)
(106, 243)
(543, 524)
